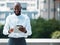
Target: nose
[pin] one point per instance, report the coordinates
(16, 10)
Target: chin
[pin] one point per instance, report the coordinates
(18, 14)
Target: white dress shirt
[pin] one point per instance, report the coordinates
(12, 21)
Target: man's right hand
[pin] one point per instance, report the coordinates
(11, 30)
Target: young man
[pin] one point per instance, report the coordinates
(17, 27)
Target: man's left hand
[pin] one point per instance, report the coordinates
(23, 29)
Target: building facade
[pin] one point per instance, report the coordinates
(51, 9)
(47, 9)
(29, 7)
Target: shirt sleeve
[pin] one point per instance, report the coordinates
(28, 27)
(6, 26)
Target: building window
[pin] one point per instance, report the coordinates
(2, 0)
(2, 4)
(45, 10)
(2, 16)
(44, 1)
(10, 5)
(23, 8)
(52, 9)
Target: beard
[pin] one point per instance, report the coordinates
(18, 13)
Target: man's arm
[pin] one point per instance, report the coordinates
(28, 27)
(6, 26)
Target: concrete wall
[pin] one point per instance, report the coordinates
(36, 43)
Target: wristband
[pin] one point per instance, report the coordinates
(25, 32)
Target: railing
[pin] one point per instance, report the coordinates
(35, 40)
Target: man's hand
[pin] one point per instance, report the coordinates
(11, 30)
(23, 29)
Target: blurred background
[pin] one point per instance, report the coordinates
(44, 16)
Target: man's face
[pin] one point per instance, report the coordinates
(17, 10)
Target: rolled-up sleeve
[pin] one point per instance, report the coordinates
(6, 26)
(28, 27)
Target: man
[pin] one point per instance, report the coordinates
(21, 21)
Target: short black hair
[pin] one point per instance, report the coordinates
(17, 4)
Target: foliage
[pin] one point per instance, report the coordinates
(1, 32)
(42, 28)
(55, 35)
